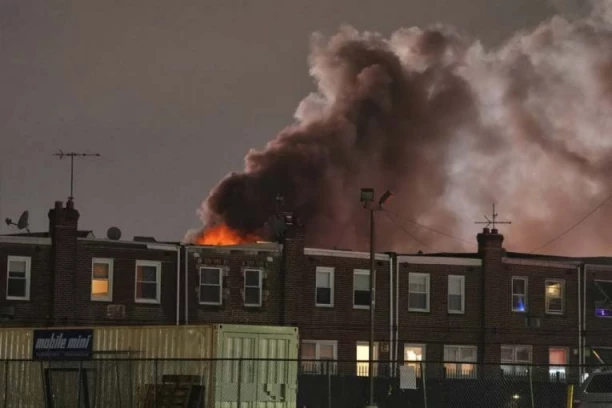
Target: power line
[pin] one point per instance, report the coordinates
(429, 228)
(405, 230)
(574, 225)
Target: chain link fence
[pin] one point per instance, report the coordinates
(253, 383)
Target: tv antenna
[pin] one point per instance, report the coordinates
(72, 155)
(493, 220)
(22, 223)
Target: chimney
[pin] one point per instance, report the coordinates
(292, 261)
(63, 229)
(490, 242)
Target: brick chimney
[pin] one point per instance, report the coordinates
(293, 259)
(63, 229)
(494, 299)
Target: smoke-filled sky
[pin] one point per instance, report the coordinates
(174, 94)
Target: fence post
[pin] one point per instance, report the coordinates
(329, 390)
(424, 377)
(155, 384)
(239, 397)
(79, 381)
(530, 368)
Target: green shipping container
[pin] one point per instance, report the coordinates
(221, 366)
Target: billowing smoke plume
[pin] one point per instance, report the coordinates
(449, 127)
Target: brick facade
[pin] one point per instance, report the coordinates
(61, 282)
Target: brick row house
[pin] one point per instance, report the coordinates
(494, 307)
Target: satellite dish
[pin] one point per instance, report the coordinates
(23, 220)
(22, 223)
(113, 233)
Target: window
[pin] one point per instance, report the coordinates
(602, 296)
(512, 357)
(324, 350)
(361, 289)
(557, 360)
(555, 293)
(102, 279)
(252, 287)
(412, 354)
(601, 383)
(211, 286)
(324, 295)
(418, 292)
(148, 276)
(456, 294)
(363, 359)
(460, 361)
(519, 294)
(18, 278)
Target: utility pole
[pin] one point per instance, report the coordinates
(72, 155)
(367, 198)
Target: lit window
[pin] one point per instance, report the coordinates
(418, 292)
(363, 359)
(148, 277)
(18, 278)
(318, 356)
(252, 287)
(361, 289)
(413, 354)
(460, 361)
(211, 286)
(456, 294)
(324, 295)
(555, 296)
(102, 279)
(519, 294)
(515, 360)
(557, 360)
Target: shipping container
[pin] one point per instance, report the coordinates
(220, 366)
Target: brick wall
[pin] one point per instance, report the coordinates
(233, 263)
(36, 311)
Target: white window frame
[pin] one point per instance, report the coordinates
(458, 365)
(320, 366)
(595, 282)
(259, 286)
(365, 272)
(220, 272)
(158, 267)
(554, 369)
(109, 296)
(555, 312)
(366, 363)
(515, 368)
(28, 275)
(330, 271)
(525, 295)
(462, 281)
(427, 293)
(418, 365)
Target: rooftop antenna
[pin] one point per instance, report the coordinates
(22, 223)
(72, 155)
(493, 220)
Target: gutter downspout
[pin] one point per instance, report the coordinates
(187, 284)
(392, 343)
(580, 368)
(584, 300)
(397, 276)
(178, 284)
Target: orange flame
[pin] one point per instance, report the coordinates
(223, 235)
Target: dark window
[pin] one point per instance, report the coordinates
(361, 288)
(252, 287)
(210, 285)
(600, 383)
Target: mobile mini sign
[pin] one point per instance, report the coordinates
(62, 344)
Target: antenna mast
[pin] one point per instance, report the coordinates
(72, 155)
(493, 220)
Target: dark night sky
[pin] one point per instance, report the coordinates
(173, 94)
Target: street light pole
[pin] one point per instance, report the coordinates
(367, 198)
(372, 302)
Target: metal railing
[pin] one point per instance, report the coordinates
(258, 383)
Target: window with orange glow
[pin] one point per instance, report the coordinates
(101, 279)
